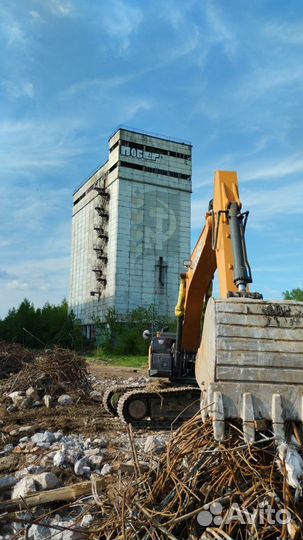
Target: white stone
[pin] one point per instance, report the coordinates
(154, 444)
(95, 461)
(43, 437)
(47, 400)
(25, 429)
(81, 467)
(87, 520)
(106, 469)
(8, 448)
(16, 397)
(101, 442)
(24, 487)
(65, 400)
(46, 480)
(37, 532)
(59, 458)
(91, 452)
(95, 395)
(32, 393)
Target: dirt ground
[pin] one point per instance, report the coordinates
(105, 371)
(86, 417)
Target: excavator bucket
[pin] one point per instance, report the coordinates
(250, 364)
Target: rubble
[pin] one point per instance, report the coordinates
(53, 373)
(82, 475)
(65, 400)
(13, 358)
(198, 486)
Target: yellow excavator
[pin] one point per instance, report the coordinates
(238, 356)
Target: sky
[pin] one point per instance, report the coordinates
(224, 74)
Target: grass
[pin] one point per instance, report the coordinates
(120, 360)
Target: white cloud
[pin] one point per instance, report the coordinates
(11, 29)
(221, 31)
(35, 145)
(272, 205)
(18, 284)
(121, 21)
(266, 205)
(35, 16)
(284, 32)
(59, 8)
(272, 170)
(18, 89)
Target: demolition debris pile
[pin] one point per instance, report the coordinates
(203, 490)
(13, 357)
(51, 373)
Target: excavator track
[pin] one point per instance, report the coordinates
(159, 408)
(113, 394)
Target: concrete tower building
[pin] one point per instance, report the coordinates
(131, 228)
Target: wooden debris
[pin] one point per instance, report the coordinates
(66, 493)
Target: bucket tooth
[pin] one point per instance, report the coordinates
(248, 417)
(278, 418)
(218, 416)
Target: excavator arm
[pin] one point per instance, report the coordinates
(219, 245)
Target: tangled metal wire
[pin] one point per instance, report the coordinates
(200, 490)
(51, 372)
(12, 358)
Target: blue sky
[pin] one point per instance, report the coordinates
(224, 74)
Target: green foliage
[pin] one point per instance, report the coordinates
(36, 328)
(135, 361)
(294, 294)
(122, 334)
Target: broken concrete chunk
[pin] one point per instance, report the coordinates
(87, 520)
(25, 429)
(81, 467)
(95, 396)
(43, 437)
(46, 480)
(154, 444)
(8, 448)
(106, 469)
(16, 397)
(95, 461)
(37, 532)
(24, 487)
(32, 393)
(47, 399)
(65, 400)
(91, 452)
(101, 442)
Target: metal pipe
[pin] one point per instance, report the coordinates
(241, 275)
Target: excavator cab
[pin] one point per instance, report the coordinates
(161, 355)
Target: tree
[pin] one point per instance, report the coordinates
(294, 294)
(46, 326)
(122, 333)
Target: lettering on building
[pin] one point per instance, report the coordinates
(137, 153)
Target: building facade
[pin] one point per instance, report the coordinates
(131, 228)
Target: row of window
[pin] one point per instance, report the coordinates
(150, 149)
(154, 170)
